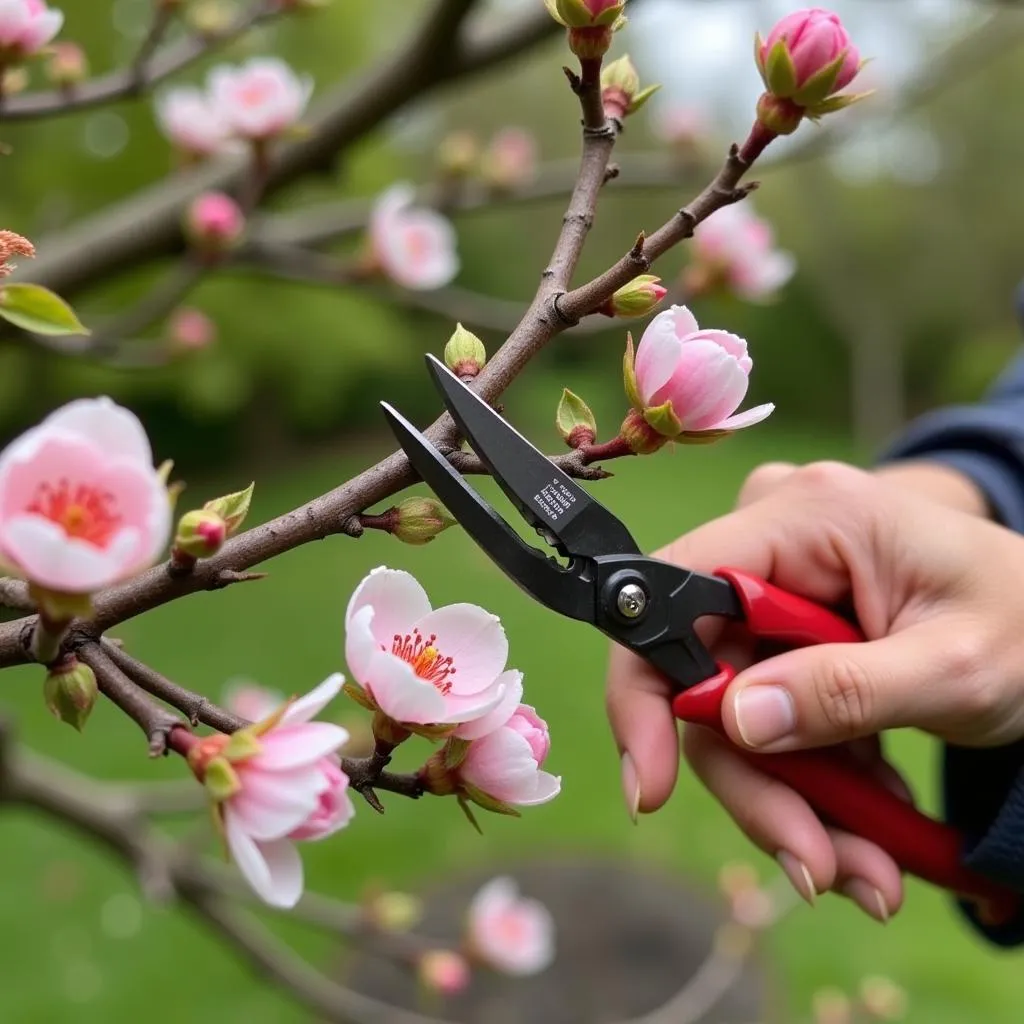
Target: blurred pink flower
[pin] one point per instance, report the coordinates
(815, 38)
(679, 124)
(506, 763)
(443, 971)
(414, 246)
(422, 666)
(251, 701)
(259, 99)
(693, 379)
(190, 121)
(26, 26)
(81, 505)
(190, 329)
(274, 784)
(738, 247)
(510, 160)
(510, 933)
(215, 221)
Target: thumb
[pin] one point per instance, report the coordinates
(817, 696)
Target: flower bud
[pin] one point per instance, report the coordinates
(215, 223)
(458, 154)
(189, 330)
(585, 13)
(420, 520)
(638, 298)
(883, 999)
(510, 161)
(210, 17)
(232, 508)
(15, 80)
(67, 65)
(779, 116)
(443, 972)
(70, 692)
(201, 534)
(575, 421)
(464, 354)
(393, 912)
(620, 89)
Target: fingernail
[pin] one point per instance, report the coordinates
(630, 787)
(798, 875)
(764, 714)
(868, 898)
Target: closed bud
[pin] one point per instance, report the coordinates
(458, 154)
(210, 17)
(67, 65)
(585, 13)
(189, 330)
(70, 692)
(443, 972)
(590, 43)
(464, 354)
(575, 421)
(232, 508)
(620, 89)
(201, 534)
(420, 520)
(393, 912)
(638, 298)
(215, 223)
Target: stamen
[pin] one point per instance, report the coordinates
(426, 660)
(82, 511)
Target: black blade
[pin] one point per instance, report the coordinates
(552, 502)
(539, 575)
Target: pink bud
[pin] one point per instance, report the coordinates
(190, 329)
(215, 222)
(443, 971)
(67, 66)
(511, 159)
(814, 38)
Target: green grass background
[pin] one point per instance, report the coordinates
(74, 950)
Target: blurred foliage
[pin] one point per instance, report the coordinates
(925, 239)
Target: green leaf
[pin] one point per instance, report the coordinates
(779, 71)
(642, 97)
(574, 415)
(232, 508)
(35, 308)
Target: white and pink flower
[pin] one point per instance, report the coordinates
(413, 246)
(510, 160)
(26, 26)
(259, 99)
(424, 666)
(737, 248)
(251, 701)
(508, 932)
(506, 763)
(689, 381)
(274, 784)
(81, 505)
(191, 122)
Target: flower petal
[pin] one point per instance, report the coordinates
(315, 701)
(546, 787)
(286, 876)
(512, 680)
(473, 706)
(401, 694)
(397, 599)
(657, 355)
(111, 428)
(475, 641)
(295, 746)
(360, 643)
(746, 419)
(247, 856)
(263, 817)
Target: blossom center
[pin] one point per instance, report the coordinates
(424, 658)
(256, 92)
(418, 244)
(81, 511)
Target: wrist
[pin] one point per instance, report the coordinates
(939, 483)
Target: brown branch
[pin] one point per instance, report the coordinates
(155, 721)
(14, 594)
(142, 75)
(163, 17)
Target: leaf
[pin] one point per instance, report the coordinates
(35, 308)
(642, 97)
(232, 508)
(574, 414)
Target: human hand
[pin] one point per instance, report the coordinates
(937, 593)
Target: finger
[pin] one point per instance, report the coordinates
(645, 730)
(832, 693)
(769, 813)
(866, 874)
(762, 481)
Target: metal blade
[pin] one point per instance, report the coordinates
(551, 501)
(539, 575)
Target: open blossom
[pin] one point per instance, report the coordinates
(414, 246)
(81, 505)
(424, 666)
(508, 932)
(274, 784)
(506, 763)
(26, 26)
(190, 120)
(686, 381)
(735, 247)
(259, 99)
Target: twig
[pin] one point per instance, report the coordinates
(14, 594)
(132, 80)
(155, 721)
(163, 17)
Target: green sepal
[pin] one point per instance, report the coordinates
(836, 103)
(629, 375)
(232, 508)
(355, 692)
(61, 606)
(780, 74)
(470, 816)
(455, 751)
(488, 802)
(221, 780)
(35, 308)
(821, 84)
(642, 97)
(758, 50)
(434, 732)
(663, 419)
(612, 16)
(701, 436)
(572, 414)
(242, 745)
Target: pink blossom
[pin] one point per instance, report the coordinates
(215, 220)
(421, 666)
(414, 246)
(188, 118)
(260, 99)
(277, 783)
(26, 26)
(444, 971)
(506, 763)
(679, 125)
(702, 375)
(511, 158)
(190, 329)
(81, 506)
(815, 39)
(251, 701)
(737, 245)
(510, 933)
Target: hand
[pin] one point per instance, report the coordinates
(937, 592)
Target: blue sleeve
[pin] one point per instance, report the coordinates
(983, 790)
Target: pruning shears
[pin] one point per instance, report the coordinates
(650, 607)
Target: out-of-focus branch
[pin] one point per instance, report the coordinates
(161, 20)
(14, 594)
(150, 68)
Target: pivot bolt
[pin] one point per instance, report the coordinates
(631, 601)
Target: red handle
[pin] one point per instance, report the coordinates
(835, 787)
